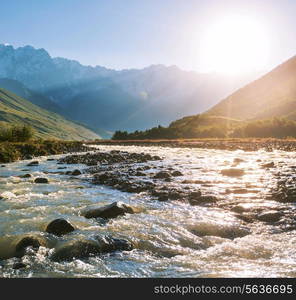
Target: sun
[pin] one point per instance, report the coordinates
(235, 44)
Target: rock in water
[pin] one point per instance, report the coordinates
(87, 247)
(269, 216)
(268, 165)
(162, 175)
(33, 163)
(76, 172)
(233, 172)
(109, 211)
(18, 265)
(110, 244)
(41, 180)
(26, 176)
(202, 200)
(59, 227)
(177, 173)
(28, 241)
(76, 249)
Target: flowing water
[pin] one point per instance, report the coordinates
(174, 239)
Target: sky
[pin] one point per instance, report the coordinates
(122, 34)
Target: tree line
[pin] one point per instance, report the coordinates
(269, 128)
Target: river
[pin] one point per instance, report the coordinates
(173, 238)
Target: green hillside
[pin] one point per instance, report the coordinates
(273, 95)
(16, 110)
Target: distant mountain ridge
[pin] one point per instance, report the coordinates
(109, 99)
(272, 95)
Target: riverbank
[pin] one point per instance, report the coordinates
(10, 152)
(219, 144)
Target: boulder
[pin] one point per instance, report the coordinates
(162, 175)
(76, 172)
(18, 265)
(27, 241)
(109, 211)
(269, 216)
(59, 227)
(177, 173)
(86, 247)
(41, 180)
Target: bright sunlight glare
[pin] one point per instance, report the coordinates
(235, 44)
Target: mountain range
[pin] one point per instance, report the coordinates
(265, 107)
(272, 95)
(107, 100)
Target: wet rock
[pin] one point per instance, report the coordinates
(26, 176)
(76, 172)
(87, 247)
(41, 180)
(239, 209)
(156, 157)
(202, 200)
(28, 241)
(187, 181)
(76, 249)
(233, 172)
(162, 175)
(140, 174)
(59, 227)
(110, 244)
(194, 195)
(268, 165)
(33, 163)
(50, 159)
(269, 216)
(3, 166)
(177, 173)
(109, 211)
(19, 265)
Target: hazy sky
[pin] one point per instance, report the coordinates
(137, 33)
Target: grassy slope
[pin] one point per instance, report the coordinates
(14, 110)
(272, 95)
